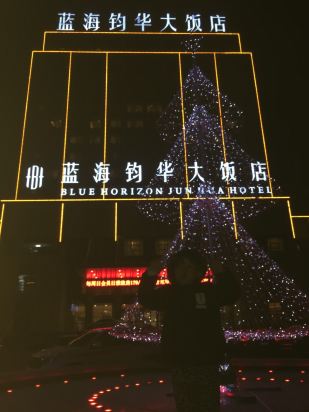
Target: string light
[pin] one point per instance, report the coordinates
(209, 228)
(94, 399)
(209, 224)
(204, 146)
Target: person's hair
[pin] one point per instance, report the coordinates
(193, 255)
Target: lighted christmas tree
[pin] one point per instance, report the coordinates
(198, 91)
(135, 326)
(209, 228)
(208, 221)
(205, 158)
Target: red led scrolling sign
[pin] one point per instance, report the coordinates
(126, 276)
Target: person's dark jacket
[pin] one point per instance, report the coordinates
(192, 332)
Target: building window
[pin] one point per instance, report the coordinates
(25, 282)
(37, 247)
(95, 124)
(154, 108)
(79, 313)
(275, 244)
(114, 139)
(74, 139)
(102, 311)
(133, 248)
(115, 124)
(135, 124)
(56, 124)
(135, 108)
(152, 317)
(162, 246)
(275, 308)
(95, 140)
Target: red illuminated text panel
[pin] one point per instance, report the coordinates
(106, 277)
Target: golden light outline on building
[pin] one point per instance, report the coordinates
(234, 219)
(291, 219)
(261, 123)
(145, 199)
(184, 138)
(105, 113)
(116, 200)
(137, 52)
(61, 223)
(67, 108)
(24, 126)
(181, 220)
(223, 141)
(116, 223)
(2, 218)
(114, 33)
(220, 110)
(239, 42)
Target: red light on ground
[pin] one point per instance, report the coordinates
(239, 370)
(226, 391)
(161, 381)
(149, 382)
(99, 406)
(301, 381)
(302, 372)
(117, 388)
(94, 378)
(287, 380)
(270, 371)
(108, 410)
(37, 385)
(230, 394)
(243, 378)
(122, 375)
(101, 392)
(108, 390)
(65, 382)
(258, 379)
(93, 403)
(272, 379)
(10, 391)
(137, 384)
(127, 386)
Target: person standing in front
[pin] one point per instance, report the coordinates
(192, 337)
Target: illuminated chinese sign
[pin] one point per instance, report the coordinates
(133, 174)
(126, 276)
(143, 107)
(143, 21)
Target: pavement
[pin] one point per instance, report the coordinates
(131, 378)
(152, 392)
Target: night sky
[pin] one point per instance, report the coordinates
(276, 36)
